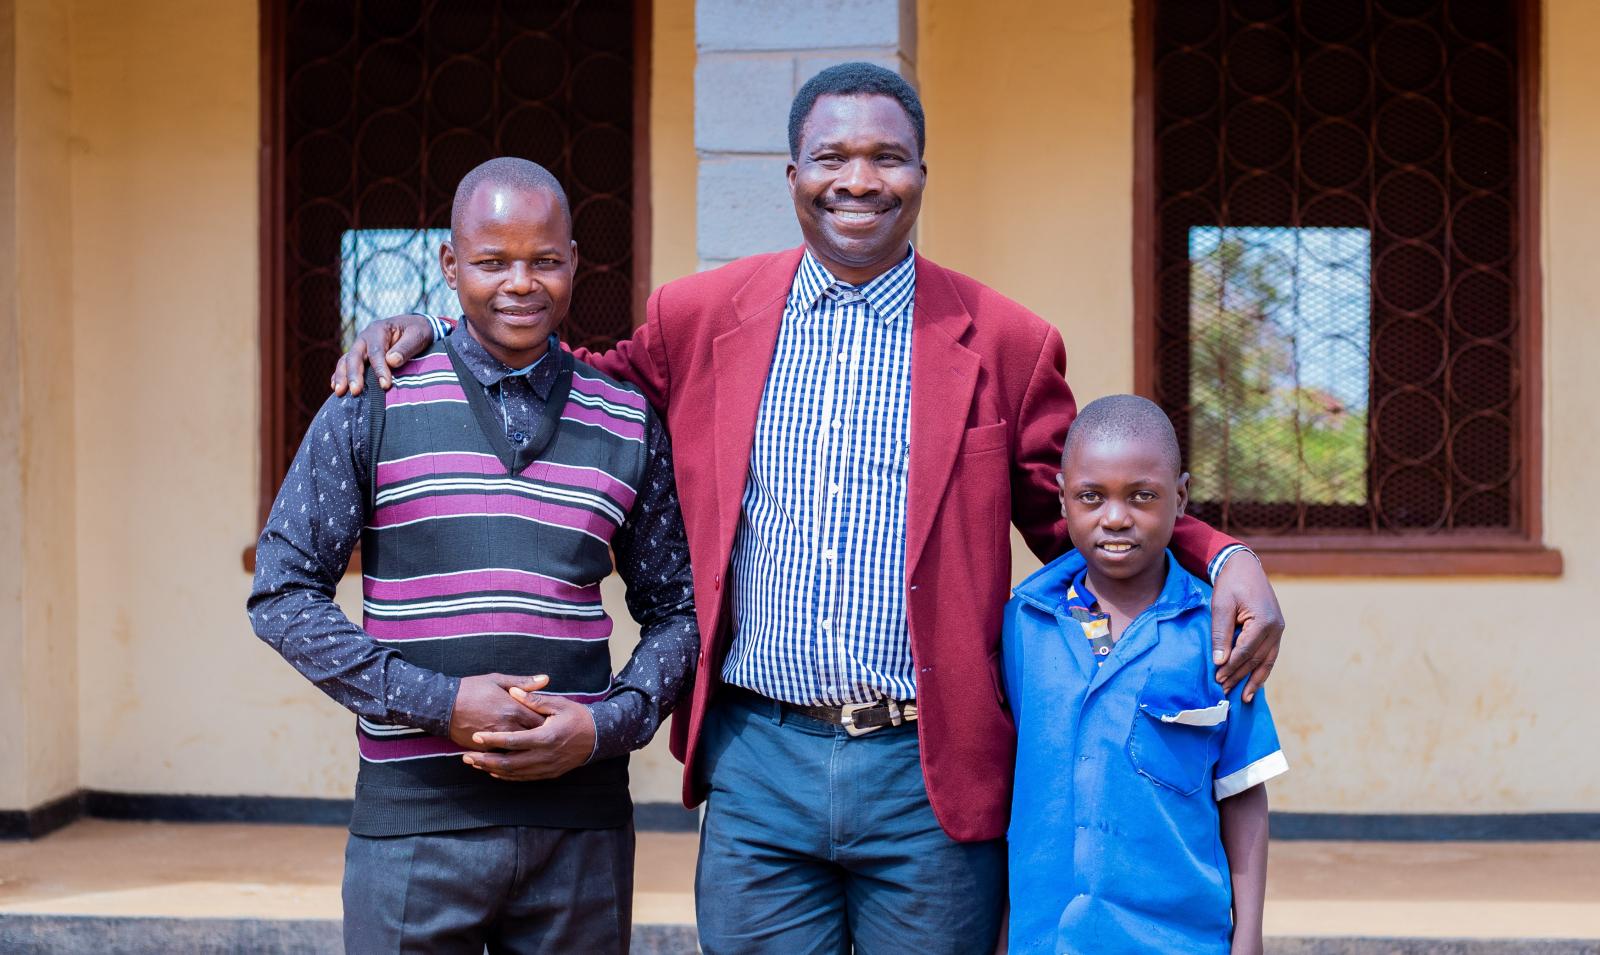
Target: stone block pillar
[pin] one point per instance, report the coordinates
(752, 57)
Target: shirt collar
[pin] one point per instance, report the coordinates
(1078, 594)
(1046, 588)
(888, 296)
(490, 371)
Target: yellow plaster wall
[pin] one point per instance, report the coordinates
(673, 163)
(38, 589)
(1393, 695)
(176, 694)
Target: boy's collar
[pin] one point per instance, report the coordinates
(1046, 588)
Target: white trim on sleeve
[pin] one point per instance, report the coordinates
(1258, 772)
(1215, 567)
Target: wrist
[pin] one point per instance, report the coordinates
(1220, 562)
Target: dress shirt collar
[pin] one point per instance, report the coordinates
(490, 371)
(888, 296)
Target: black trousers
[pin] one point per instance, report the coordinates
(511, 889)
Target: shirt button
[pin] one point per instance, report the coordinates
(828, 554)
(833, 489)
(837, 424)
(842, 358)
(824, 624)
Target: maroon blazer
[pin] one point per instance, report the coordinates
(989, 411)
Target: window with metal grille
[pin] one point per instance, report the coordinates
(373, 111)
(1336, 290)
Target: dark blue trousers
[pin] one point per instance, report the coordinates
(818, 842)
(512, 889)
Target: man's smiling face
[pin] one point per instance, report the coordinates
(511, 259)
(857, 184)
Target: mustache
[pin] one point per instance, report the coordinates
(854, 205)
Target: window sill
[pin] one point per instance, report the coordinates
(248, 559)
(1402, 558)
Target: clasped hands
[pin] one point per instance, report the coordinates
(516, 733)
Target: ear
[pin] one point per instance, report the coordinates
(572, 263)
(447, 263)
(1061, 488)
(1183, 492)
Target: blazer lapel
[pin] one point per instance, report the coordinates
(944, 374)
(742, 357)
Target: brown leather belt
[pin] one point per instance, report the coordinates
(858, 719)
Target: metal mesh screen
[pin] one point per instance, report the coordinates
(387, 104)
(1336, 284)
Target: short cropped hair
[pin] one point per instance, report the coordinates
(508, 171)
(855, 79)
(1125, 417)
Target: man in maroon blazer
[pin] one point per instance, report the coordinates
(857, 428)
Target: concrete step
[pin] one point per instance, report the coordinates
(130, 887)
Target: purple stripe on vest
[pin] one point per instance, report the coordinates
(473, 581)
(590, 478)
(621, 427)
(444, 462)
(400, 397)
(406, 747)
(478, 504)
(611, 393)
(494, 622)
(425, 365)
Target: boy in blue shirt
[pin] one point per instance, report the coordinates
(1139, 818)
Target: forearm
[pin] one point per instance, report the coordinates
(1244, 839)
(309, 630)
(312, 529)
(652, 555)
(644, 694)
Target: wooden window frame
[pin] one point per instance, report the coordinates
(1520, 552)
(274, 421)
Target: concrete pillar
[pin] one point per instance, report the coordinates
(753, 56)
(38, 532)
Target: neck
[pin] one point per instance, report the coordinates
(1131, 595)
(512, 359)
(857, 275)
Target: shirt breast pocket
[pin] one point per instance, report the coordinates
(1175, 736)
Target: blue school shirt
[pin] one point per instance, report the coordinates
(1114, 844)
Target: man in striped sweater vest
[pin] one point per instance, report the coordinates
(489, 490)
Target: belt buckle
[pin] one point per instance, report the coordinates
(847, 716)
(897, 715)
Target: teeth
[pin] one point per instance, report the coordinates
(853, 215)
(1117, 548)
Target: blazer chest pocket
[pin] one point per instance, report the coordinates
(987, 437)
(1174, 738)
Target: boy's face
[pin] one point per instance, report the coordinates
(511, 259)
(1121, 497)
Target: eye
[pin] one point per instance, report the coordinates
(1089, 497)
(1144, 497)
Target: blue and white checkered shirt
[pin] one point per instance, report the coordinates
(819, 562)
